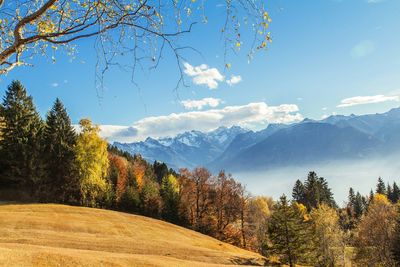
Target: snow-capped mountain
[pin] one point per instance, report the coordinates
(188, 149)
(334, 138)
(235, 149)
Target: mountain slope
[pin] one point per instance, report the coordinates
(58, 235)
(371, 123)
(243, 141)
(303, 143)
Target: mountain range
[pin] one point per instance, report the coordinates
(337, 137)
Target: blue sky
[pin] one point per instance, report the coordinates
(323, 52)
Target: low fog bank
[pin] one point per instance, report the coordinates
(362, 175)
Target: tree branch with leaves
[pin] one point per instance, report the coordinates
(142, 28)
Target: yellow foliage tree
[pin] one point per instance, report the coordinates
(257, 213)
(139, 170)
(92, 163)
(375, 233)
(329, 236)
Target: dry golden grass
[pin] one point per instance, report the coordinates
(59, 235)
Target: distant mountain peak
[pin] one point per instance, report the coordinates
(187, 149)
(337, 136)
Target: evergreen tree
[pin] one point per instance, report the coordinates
(150, 200)
(21, 144)
(380, 187)
(326, 193)
(352, 197)
(160, 170)
(290, 233)
(59, 141)
(371, 196)
(358, 205)
(169, 192)
(312, 191)
(389, 192)
(298, 193)
(395, 193)
(317, 191)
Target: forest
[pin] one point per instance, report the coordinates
(51, 161)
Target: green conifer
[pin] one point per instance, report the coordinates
(59, 137)
(22, 133)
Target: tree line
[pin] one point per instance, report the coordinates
(51, 161)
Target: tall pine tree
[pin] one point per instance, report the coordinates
(316, 192)
(60, 183)
(21, 144)
(381, 187)
(352, 197)
(169, 192)
(290, 233)
(395, 194)
(298, 193)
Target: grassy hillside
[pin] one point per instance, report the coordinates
(58, 235)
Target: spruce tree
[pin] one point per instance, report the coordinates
(358, 205)
(317, 191)
(298, 193)
(389, 192)
(169, 192)
(380, 187)
(351, 198)
(160, 170)
(371, 196)
(395, 193)
(312, 191)
(290, 234)
(21, 144)
(59, 141)
(326, 193)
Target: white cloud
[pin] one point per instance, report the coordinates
(234, 80)
(363, 49)
(204, 75)
(324, 108)
(253, 116)
(362, 100)
(54, 85)
(200, 104)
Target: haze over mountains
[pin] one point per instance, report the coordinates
(238, 150)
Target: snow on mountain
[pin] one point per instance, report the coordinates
(336, 137)
(188, 149)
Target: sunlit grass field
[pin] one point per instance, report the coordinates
(59, 235)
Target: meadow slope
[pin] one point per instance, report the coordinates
(59, 235)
